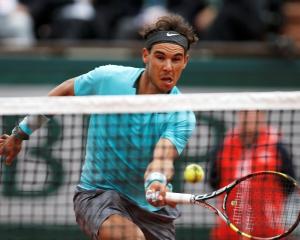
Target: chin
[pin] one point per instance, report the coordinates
(165, 91)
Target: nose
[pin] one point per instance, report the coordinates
(168, 65)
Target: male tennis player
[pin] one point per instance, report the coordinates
(127, 155)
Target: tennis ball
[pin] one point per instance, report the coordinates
(193, 173)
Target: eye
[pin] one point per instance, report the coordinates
(160, 57)
(177, 59)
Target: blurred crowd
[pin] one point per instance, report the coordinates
(26, 21)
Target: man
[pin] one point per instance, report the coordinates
(137, 154)
(252, 146)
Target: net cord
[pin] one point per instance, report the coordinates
(289, 100)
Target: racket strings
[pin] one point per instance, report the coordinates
(264, 205)
(292, 205)
(242, 210)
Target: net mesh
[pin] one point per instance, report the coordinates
(37, 189)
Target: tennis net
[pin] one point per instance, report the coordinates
(36, 191)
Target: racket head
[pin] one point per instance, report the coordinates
(263, 205)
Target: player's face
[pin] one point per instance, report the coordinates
(164, 65)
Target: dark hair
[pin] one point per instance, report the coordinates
(172, 22)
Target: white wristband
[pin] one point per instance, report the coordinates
(32, 122)
(155, 176)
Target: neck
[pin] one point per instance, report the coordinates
(145, 86)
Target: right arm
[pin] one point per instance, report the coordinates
(10, 145)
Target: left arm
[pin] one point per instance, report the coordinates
(10, 145)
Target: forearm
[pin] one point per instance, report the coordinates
(163, 159)
(33, 122)
(166, 167)
(11, 145)
(159, 173)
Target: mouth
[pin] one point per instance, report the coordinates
(167, 83)
(168, 80)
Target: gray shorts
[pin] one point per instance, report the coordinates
(93, 207)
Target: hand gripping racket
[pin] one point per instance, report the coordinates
(262, 205)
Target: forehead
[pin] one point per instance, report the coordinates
(168, 48)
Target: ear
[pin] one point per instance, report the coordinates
(145, 55)
(186, 59)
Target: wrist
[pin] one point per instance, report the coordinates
(19, 134)
(155, 177)
(33, 122)
(170, 187)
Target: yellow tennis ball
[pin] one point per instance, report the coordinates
(193, 173)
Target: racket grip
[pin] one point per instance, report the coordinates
(179, 197)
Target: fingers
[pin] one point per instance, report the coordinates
(3, 138)
(9, 148)
(9, 159)
(156, 195)
(155, 198)
(158, 199)
(2, 148)
(11, 155)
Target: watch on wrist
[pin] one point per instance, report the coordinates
(18, 133)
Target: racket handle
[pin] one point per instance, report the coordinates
(179, 197)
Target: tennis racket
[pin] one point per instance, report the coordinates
(262, 205)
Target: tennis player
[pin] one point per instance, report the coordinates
(127, 155)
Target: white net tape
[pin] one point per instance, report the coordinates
(151, 103)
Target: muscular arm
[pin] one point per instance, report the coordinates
(163, 159)
(10, 145)
(163, 162)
